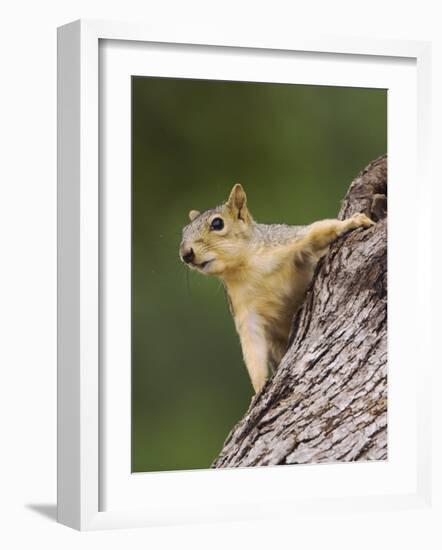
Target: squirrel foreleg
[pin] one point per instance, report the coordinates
(254, 349)
(321, 234)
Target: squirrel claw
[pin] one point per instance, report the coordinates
(362, 220)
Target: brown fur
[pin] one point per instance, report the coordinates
(265, 269)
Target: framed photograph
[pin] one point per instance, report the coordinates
(232, 338)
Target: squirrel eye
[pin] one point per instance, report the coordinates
(217, 224)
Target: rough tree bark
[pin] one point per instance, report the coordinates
(327, 400)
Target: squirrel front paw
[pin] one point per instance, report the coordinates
(361, 220)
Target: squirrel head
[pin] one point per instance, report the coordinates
(215, 241)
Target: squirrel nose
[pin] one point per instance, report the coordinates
(188, 256)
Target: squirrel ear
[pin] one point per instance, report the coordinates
(193, 214)
(237, 200)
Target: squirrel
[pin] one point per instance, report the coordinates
(265, 270)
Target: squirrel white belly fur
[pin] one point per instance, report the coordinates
(265, 270)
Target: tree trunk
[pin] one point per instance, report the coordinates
(327, 400)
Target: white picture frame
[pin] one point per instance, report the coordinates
(85, 402)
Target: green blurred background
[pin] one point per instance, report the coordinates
(295, 149)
